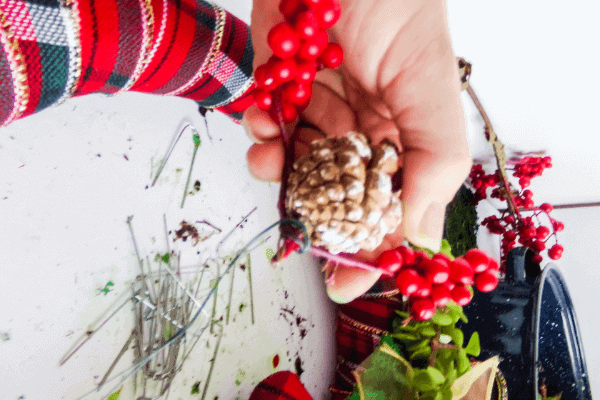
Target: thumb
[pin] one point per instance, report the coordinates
(429, 183)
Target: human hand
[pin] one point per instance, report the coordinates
(399, 80)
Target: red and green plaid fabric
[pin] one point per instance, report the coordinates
(187, 48)
(360, 325)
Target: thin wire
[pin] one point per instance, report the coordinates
(180, 335)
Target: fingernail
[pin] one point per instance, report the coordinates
(335, 298)
(430, 229)
(248, 130)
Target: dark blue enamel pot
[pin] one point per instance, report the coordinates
(530, 322)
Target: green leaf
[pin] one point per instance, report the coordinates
(440, 318)
(446, 394)
(166, 258)
(473, 347)
(424, 352)
(427, 331)
(459, 310)
(405, 337)
(463, 363)
(444, 361)
(196, 140)
(421, 345)
(403, 314)
(385, 377)
(429, 379)
(167, 331)
(436, 376)
(115, 395)
(196, 388)
(446, 249)
(458, 337)
(389, 340)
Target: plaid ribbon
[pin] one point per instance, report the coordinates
(360, 325)
(283, 385)
(188, 48)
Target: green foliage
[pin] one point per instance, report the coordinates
(167, 331)
(416, 373)
(196, 388)
(473, 347)
(445, 249)
(196, 140)
(460, 228)
(115, 395)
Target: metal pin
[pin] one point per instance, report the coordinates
(170, 150)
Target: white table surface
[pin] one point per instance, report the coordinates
(63, 208)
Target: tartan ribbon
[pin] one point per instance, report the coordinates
(189, 48)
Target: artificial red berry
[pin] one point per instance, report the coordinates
(486, 281)
(290, 246)
(558, 226)
(265, 78)
(312, 3)
(461, 295)
(306, 25)
(449, 284)
(408, 281)
(537, 246)
(547, 208)
(283, 40)
(510, 235)
(263, 99)
(555, 252)
(297, 93)
(509, 219)
(424, 289)
(529, 233)
(288, 111)
(493, 266)
(290, 8)
(408, 255)
(332, 56)
(528, 203)
(441, 257)
(440, 295)
(537, 259)
(328, 12)
(422, 309)
(477, 259)
(306, 71)
(528, 194)
(313, 47)
(435, 271)
(461, 272)
(389, 260)
(524, 182)
(542, 232)
(420, 256)
(284, 70)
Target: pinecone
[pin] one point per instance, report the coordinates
(342, 192)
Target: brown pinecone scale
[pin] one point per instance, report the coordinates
(342, 192)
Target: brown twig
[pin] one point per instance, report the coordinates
(436, 345)
(498, 149)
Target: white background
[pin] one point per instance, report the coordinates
(63, 212)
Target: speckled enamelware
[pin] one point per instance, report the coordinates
(529, 320)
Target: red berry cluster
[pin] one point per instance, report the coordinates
(513, 227)
(433, 282)
(301, 47)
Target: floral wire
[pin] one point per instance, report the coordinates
(180, 335)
